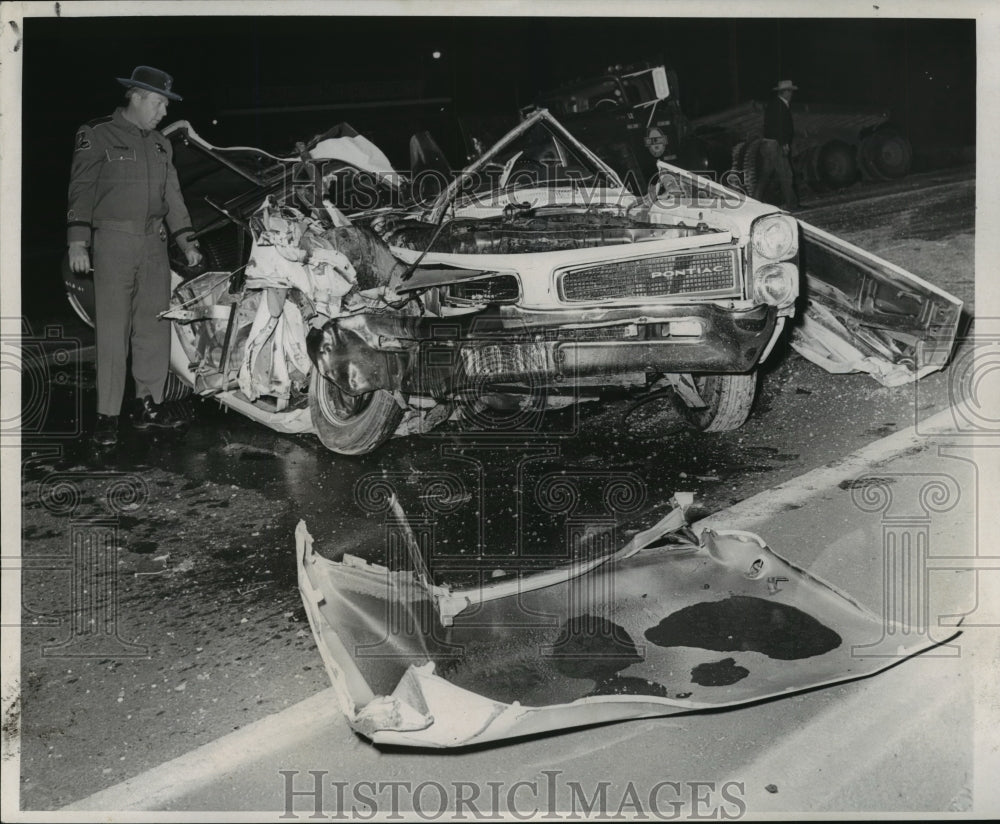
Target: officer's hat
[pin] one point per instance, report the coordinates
(146, 77)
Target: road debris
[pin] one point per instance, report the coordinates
(628, 634)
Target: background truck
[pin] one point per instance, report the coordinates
(833, 147)
(633, 117)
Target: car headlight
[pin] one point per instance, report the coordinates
(775, 237)
(776, 284)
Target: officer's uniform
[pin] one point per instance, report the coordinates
(123, 189)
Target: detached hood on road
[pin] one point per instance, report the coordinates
(670, 623)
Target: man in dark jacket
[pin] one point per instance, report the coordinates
(776, 146)
(123, 199)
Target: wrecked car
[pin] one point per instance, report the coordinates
(351, 301)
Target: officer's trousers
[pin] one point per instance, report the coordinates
(132, 286)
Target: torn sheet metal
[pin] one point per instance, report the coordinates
(861, 312)
(668, 624)
(866, 314)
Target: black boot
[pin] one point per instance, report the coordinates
(106, 430)
(151, 415)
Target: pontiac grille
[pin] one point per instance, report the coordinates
(663, 276)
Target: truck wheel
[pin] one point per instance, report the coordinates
(736, 168)
(728, 399)
(891, 153)
(349, 425)
(751, 166)
(835, 164)
(866, 161)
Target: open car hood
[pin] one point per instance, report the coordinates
(668, 624)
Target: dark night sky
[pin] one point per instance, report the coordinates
(923, 70)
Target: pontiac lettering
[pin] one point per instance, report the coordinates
(719, 268)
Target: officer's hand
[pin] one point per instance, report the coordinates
(79, 258)
(193, 254)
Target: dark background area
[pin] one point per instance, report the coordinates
(269, 81)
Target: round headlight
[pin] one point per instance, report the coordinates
(776, 284)
(775, 237)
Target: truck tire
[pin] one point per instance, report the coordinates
(351, 426)
(728, 398)
(866, 161)
(751, 166)
(891, 153)
(736, 163)
(808, 166)
(836, 166)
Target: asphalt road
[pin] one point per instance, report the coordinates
(210, 632)
(905, 740)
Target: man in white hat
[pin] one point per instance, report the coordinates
(776, 146)
(123, 199)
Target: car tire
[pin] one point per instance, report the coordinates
(728, 400)
(356, 431)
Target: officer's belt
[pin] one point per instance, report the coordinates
(131, 227)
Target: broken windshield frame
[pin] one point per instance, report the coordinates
(548, 155)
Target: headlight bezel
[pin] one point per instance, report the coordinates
(773, 252)
(775, 237)
(786, 274)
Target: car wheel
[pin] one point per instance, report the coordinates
(728, 400)
(351, 425)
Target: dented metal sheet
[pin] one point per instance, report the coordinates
(862, 313)
(670, 623)
(866, 314)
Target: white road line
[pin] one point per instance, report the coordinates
(206, 764)
(154, 788)
(765, 505)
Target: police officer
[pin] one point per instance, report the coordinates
(124, 198)
(776, 146)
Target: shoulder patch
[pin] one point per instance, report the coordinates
(99, 121)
